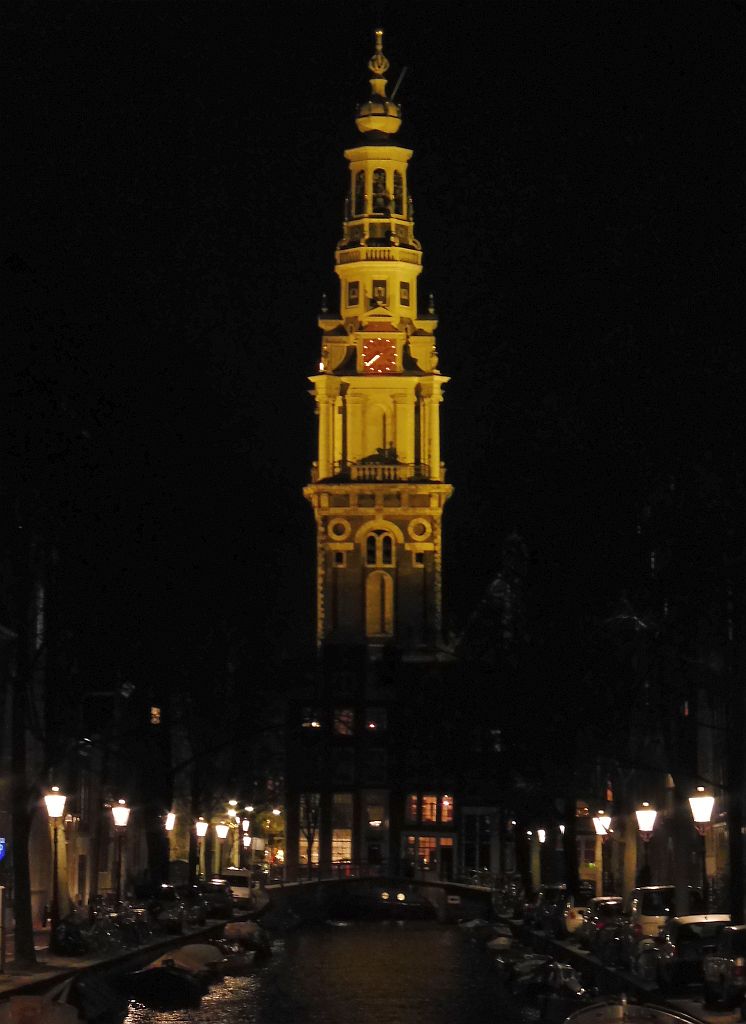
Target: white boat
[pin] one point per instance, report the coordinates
(620, 1010)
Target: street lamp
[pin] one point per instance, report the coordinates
(55, 802)
(200, 827)
(121, 814)
(646, 816)
(602, 828)
(170, 821)
(701, 804)
(222, 831)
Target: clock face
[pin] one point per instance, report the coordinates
(379, 355)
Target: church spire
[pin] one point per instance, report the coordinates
(379, 114)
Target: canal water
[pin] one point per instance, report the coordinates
(361, 973)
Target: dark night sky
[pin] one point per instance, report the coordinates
(178, 179)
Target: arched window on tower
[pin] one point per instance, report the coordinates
(379, 548)
(359, 193)
(380, 198)
(379, 604)
(398, 193)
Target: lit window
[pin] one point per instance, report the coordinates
(446, 809)
(344, 721)
(411, 811)
(308, 839)
(426, 847)
(155, 716)
(341, 845)
(429, 808)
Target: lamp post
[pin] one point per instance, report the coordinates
(222, 831)
(646, 816)
(701, 804)
(200, 827)
(55, 802)
(121, 814)
(602, 828)
(246, 840)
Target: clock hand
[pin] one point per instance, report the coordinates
(371, 361)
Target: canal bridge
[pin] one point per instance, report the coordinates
(320, 898)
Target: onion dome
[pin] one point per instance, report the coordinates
(379, 114)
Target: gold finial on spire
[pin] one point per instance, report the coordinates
(378, 63)
(378, 114)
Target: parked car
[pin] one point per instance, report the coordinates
(164, 905)
(646, 910)
(195, 903)
(218, 898)
(674, 957)
(534, 910)
(241, 883)
(602, 915)
(724, 969)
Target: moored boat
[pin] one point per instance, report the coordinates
(620, 1010)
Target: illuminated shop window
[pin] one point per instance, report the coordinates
(446, 809)
(308, 817)
(155, 716)
(411, 807)
(429, 808)
(426, 850)
(344, 721)
(341, 845)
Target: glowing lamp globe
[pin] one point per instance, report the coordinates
(222, 830)
(201, 828)
(170, 821)
(55, 802)
(646, 816)
(121, 814)
(701, 804)
(602, 824)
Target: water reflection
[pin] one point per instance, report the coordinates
(366, 973)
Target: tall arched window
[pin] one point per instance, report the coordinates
(380, 198)
(359, 193)
(379, 604)
(379, 548)
(398, 193)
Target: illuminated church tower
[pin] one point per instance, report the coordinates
(378, 485)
